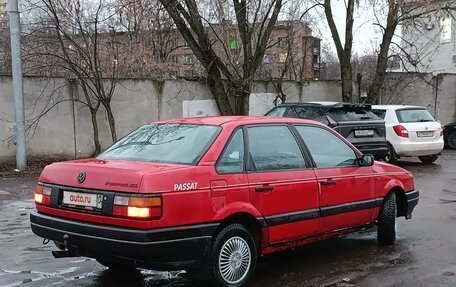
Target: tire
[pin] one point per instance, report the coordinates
(428, 158)
(391, 157)
(233, 257)
(451, 139)
(386, 225)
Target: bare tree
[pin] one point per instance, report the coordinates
(398, 12)
(78, 40)
(227, 74)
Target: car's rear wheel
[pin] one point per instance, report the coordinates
(428, 158)
(233, 256)
(391, 156)
(386, 225)
(451, 139)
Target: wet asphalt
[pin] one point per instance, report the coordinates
(424, 254)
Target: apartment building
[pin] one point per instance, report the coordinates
(292, 53)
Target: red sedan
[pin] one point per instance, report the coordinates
(211, 195)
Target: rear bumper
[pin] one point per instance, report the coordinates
(160, 249)
(378, 150)
(418, 148)
(412, 201)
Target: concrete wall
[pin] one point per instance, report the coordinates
(437, 93)
(66, 129)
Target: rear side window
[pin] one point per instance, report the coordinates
(414, 116)
(232, 159)
(380, 113)
(349, 113)
(327, 149)
(274, 148)
(277, 112)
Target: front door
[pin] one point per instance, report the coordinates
(282, 184)
(346, 188)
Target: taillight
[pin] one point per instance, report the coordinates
(401, 131)
(138, 206)
(442, 131)
(43, 194)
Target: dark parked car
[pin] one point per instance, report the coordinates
(356, 122)
(449, 135)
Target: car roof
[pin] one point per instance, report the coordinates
(237, 120)
(328, 104)
(395, 107)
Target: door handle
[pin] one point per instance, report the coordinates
(328, 182)
(264, 188)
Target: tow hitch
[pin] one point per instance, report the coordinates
(67, 249)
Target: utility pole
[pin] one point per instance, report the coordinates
(19, 114)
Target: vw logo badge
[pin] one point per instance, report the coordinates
(426, 128)
(81, 177)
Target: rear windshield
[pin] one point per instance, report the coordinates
(168, 143)
(414, 116)
(346, 114)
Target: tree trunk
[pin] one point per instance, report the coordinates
(111, 121)
(242, 102)
(382, 59)
(215, 83)
(347, 82)
(96, 138)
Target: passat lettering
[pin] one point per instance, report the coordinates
(185, 186)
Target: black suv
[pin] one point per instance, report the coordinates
(356, 122)
(450, 135)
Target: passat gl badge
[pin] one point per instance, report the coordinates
(81, 177)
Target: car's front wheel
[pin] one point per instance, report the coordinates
(428, 158)
(451, 139)
(386, 225)
(233, 256)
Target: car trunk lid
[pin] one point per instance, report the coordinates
(98, 174)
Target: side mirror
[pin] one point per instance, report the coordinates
(366, 160)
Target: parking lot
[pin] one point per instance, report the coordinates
(424, 254)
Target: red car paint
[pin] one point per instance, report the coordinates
(197, 194)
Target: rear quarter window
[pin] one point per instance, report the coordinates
(380, 113)
(277, 112)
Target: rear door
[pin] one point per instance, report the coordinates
(346, 188)
(282, 183)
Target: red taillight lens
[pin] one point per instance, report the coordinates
(43, 194)
(138, 207)
(442, 131)
(401, 131)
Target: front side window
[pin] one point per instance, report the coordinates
(274, 148)
(414, 116)
(168, 143)
(232, 159)
(327, 149)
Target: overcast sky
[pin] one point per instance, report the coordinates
(367, 36)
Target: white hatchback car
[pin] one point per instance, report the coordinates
(410, 131)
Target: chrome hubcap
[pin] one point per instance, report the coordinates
(234, 260)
